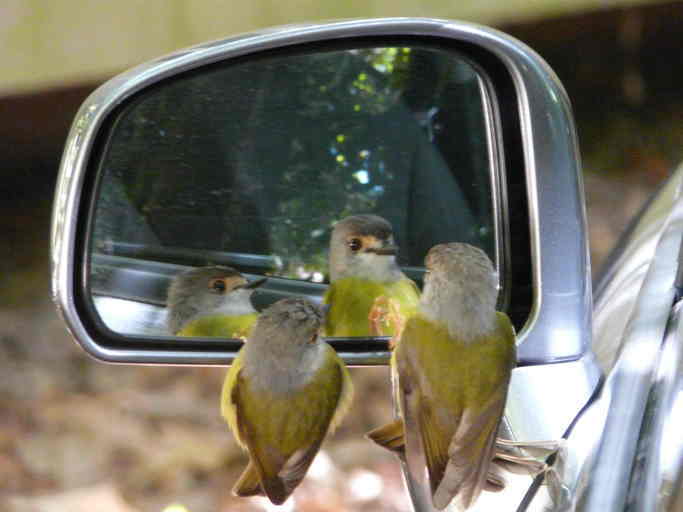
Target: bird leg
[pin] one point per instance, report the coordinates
(521, 457)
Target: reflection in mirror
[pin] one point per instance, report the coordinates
(212, 301)
(250, 163)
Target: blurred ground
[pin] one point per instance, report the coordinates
(149, 436)
(80, 435)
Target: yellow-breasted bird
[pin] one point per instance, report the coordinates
(363, 269)
(212, 301)
(453, 363)
(283, 393)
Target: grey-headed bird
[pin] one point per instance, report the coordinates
(453, 362)
(212, 301)
(285, 391)
(364, 274)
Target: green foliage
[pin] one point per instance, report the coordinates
(264, 156)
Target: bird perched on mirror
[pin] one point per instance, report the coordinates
(212, 301)
(285, 391)
(452, 364)
(365, 279)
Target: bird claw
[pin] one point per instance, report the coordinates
(521, 457)
(378, 315)
(385, 318)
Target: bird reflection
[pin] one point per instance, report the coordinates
(363, 267)
(212, 301)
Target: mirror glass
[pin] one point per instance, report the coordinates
(249, 163)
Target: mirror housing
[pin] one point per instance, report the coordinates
(542, 195)
(544, 249)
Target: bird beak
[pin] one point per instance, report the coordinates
(388, 250)
(253, 284)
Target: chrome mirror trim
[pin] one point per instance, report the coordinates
(559, 327)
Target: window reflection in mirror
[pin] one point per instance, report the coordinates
(250, 163)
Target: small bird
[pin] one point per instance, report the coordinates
(211, 301)
(285, 391)
(365, 279)
(453, 362)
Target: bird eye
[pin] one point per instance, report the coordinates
(355, 244)
(217, 285)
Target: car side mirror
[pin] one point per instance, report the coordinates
(245, 152)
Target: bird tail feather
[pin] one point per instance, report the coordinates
(390, 436)
(249, 483)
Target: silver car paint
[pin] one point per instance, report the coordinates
(594, 471)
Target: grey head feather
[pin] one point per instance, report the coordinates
(346, 263)
(365, 224)
(285, 350)
(461, 289)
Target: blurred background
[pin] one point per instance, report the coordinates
(80, 435)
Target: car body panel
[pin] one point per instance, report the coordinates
(595, 471)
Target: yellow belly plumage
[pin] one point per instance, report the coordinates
(220, 326)
(351, 300)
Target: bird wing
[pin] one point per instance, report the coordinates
(390, 436)
(472, 446)
(418, 413)
(283, 433)
(470, 453)
(249, 483)
(331, 320)
(453, 395)
(346, 395)
(228, 406)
